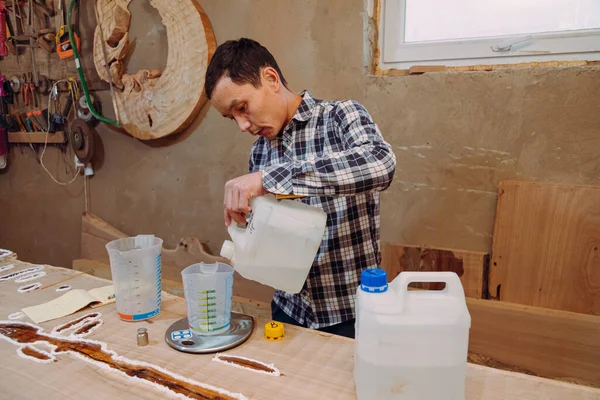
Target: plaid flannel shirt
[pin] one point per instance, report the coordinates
(332, 152)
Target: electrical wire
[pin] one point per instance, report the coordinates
(73, 92)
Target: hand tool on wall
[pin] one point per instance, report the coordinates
(3, 48)
(9, 98)
(43, 84)
(81, 137)
(25, 92)
(33, 122)
(15, 84)
(45, 36)
(64, 46)
(3, 95)
(29, 95)
(44, 8)
(11, 31)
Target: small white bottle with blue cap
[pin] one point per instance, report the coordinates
(410, 345)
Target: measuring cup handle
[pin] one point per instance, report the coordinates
(453, 285)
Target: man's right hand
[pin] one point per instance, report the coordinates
(238, 193)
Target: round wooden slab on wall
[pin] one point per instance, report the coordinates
(152, 104)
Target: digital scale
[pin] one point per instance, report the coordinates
(180, 337)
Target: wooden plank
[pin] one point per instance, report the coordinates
(96, 233)
(421, 69)
(469, 266)
(315, 365)
(549, 343)
(546, 246)
(36, 137)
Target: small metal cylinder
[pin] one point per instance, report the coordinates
(142, 337)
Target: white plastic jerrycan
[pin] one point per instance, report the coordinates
(411, 345)
(278, 246)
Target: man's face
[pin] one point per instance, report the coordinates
(259, 111)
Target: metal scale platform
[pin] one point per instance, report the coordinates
(180, 337)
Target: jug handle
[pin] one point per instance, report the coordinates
(453, 285)
(237, 234)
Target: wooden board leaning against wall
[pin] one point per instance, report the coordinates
(534, 301)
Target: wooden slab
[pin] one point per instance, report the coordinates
(550, 343)
(152, 104)
(96, 233)
(469, 266)
(36, 137)
(546, 246)
(315, 365)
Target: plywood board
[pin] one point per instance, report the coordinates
(546, 246)
(314, 364)
(469, 266)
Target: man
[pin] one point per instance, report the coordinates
(331, 152)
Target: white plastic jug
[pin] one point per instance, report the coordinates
(410, 345)
(279, 245)
(136, 273)
(208, 291)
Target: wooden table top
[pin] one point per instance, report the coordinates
(313, 365)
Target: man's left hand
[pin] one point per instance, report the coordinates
(238, 193)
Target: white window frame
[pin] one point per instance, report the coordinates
(557, 46)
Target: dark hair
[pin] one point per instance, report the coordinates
(241, 60)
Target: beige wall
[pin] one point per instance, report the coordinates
(455, 136)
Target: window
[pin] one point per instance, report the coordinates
(468, 32)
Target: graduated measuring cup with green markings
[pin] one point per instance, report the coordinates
(208, 290)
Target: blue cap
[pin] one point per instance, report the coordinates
(374, 280)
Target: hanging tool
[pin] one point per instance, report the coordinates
(11, 31)
(63, 43)
(3, 94)
(81, 137)
(45, 37)
(31, 90)
(43, 7)
(9, 97)
(43, 84)
(16, 9)
(25, 90)
(3, 48)
(15, 84)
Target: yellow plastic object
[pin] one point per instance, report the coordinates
(288, 196)
(274, 331)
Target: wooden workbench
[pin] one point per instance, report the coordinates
(314, 365)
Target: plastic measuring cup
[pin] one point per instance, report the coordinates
(136, 275)
(208, 290)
